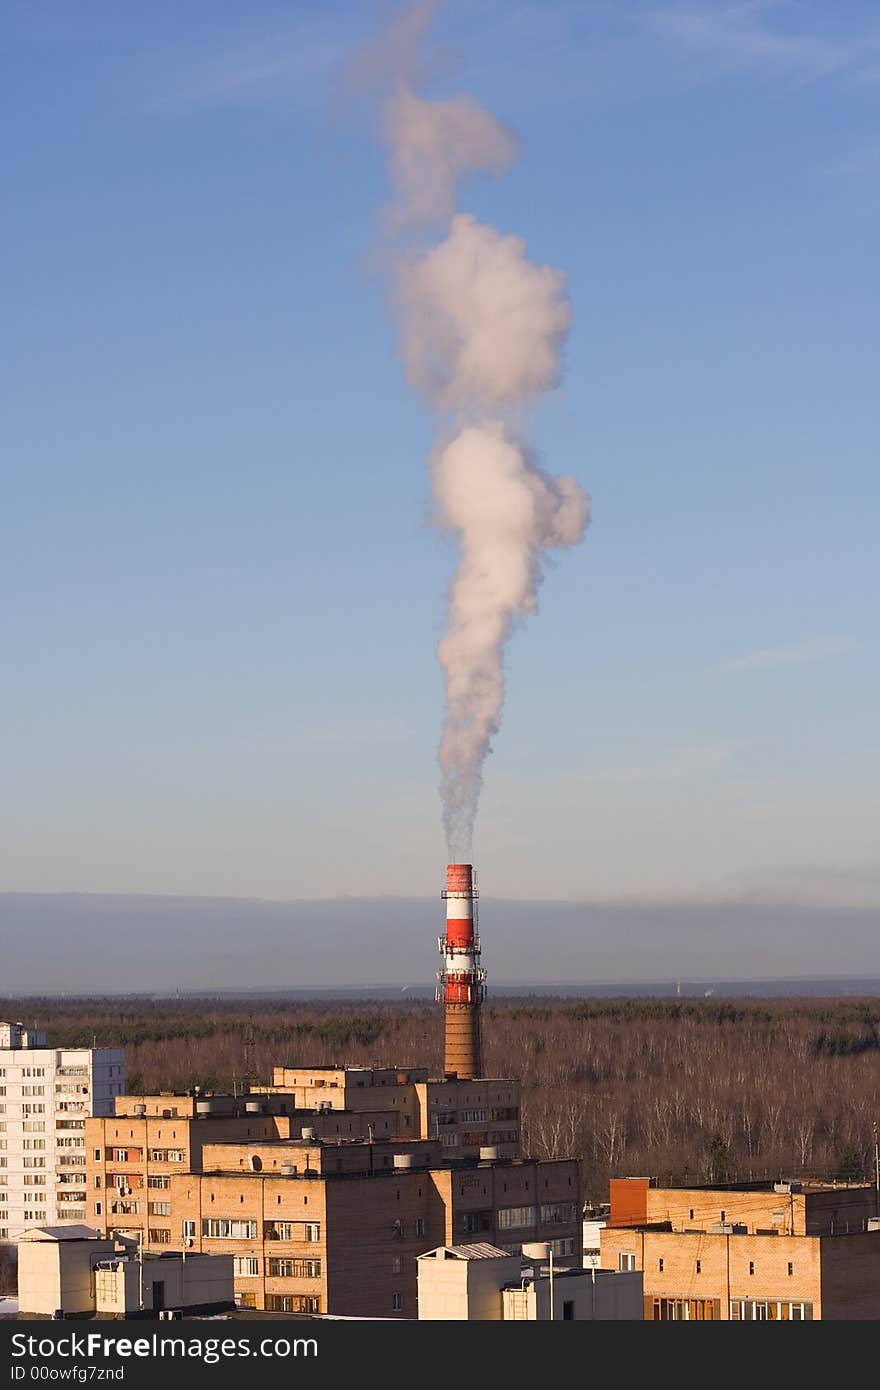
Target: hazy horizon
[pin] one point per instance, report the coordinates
(118, 943)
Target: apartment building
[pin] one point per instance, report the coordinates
(46, 1097)
(762, 1251)
(326, 1226)
(463, 1115)
(130, 1155)
(315, 1222)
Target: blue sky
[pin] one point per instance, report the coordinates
(221, 591)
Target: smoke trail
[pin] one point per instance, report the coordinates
(481, 334)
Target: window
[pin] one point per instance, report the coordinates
(160, 1180)
(246, 1264)
(293, 1269)
(222, 1228)
(699, 1267)
(397, 1302)
(120, 1155)
(749, 1310)
(98, 1208)
(722, 1216)
(395, 1264)
(97, 1155)
(691, 1214)
(292, 1303)
(557, 1211)
(312, 1231)
(563, 1246)
(160, 1208)
(751, 1266)
(790, 1267)
(189, 1230)
(626, 1259)
(509, 1217)
(246, 1300)
(160, 1237)
(472, 1221)
(660, 1266)
(419, 1226)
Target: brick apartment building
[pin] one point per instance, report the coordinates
(326, 1186)
(748, 1252)
(320, 1226)
(463, 1115)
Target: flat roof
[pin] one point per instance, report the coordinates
(468, 1252)
(72, 1232)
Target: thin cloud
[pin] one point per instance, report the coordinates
(751, 36)
(794, 654)
(290, 66)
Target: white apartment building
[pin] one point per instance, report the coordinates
(46, 1093)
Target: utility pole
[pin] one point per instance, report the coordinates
(876, 1172)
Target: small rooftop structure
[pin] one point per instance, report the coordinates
(467, 1252)
(74, 1271)
(72, 1232)
(484, 1283)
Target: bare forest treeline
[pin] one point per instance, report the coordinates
(686, 1090)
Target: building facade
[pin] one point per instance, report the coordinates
(796, 1251)
(317, 1220)
(317, 1226)
(464, 1115)
(47, 1094)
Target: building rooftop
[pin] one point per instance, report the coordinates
(61, 1233)
(466, 1252)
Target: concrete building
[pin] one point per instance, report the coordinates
(126, 1285)
(484, 1283)
(56, 1268)
(465, 1115)
(787, 1251)
(72, 1269)
(46, 1096)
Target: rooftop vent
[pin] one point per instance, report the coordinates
(787, 1187)
(308, 1134)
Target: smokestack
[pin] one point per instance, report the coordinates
(461, 988)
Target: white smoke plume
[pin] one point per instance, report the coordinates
(481, 332)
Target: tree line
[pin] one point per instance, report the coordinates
(687, 1091)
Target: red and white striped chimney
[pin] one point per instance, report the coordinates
(461, 988)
